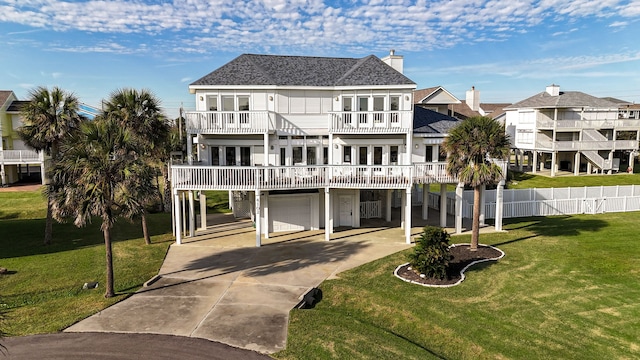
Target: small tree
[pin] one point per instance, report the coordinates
(431, 254)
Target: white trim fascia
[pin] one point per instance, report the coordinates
(407, 87)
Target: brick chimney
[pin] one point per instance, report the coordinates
(473, 99)
(395, 61)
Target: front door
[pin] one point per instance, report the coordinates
(346, 210)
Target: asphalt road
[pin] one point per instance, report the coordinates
(111, 346)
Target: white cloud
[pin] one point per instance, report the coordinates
(205, 25)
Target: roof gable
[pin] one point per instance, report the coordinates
(275, 70)
(5, 96)
(434, 95)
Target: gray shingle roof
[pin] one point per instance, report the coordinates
(251, 69)
(566, 99)
(427, 121)
(4, 95)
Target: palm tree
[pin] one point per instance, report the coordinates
(140, 112)
(471, 147)
(49, 117)
(98, 170)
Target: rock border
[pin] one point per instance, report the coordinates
(462, 276)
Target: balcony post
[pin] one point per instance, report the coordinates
(407, 212)
(189, 149)
(328, 220)
(257, 219)
(576, 164)
(203, 211)
(534, 164)
(192, 215)
(443, 205)
(3, 174)
(458, 211)
(499, 205)
(425, 201)
(266, 215)
(388, 212)
(177, 219)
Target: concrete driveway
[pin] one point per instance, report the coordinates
(219, 286)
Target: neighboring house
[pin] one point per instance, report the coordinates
(16, 159)
(571, 131)
(440, 100)
(304, 143)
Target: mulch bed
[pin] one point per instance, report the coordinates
(461, 258)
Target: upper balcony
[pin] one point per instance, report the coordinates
(185, 177)
(370, 122)
(228, 122)
(586, 120)
(15, 157)
(544, 144)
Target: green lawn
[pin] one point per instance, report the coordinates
(527, 180)
(43, 293)
(567, 289)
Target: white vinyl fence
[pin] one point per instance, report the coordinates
(546, 202)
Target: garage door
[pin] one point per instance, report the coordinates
(289, 213)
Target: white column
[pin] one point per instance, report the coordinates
(610, 171)
(330, 149)
(328, 223)
(554, 158)
(499, 205)
(356, 221)
(409, 149)
(189, 149)
(482, 207)
(407, 214)
(589, 169)
(192, 215)
(389, 198)
(184, 213)
(177, 218)
(257, 219)
(265, 162)
(403, 212)
(3, 175)
(266, 215)
(203, 211)
(521, 163)
(534, 163)
(459, 192)
(425, 201)
(443, 205)
(576, 164)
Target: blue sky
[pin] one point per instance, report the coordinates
(507, 49)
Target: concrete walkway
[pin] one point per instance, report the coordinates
(219, 286)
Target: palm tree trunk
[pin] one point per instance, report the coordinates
(145, 230)
(475, 227)
(107, 244)
(48, 226)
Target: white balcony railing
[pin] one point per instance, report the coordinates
(185, 177)
(434, 172)
(228, 122)
(362, 122)
(544, 122)
(20, 156)
(586, 145)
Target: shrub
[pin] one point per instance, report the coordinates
(431, 254)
